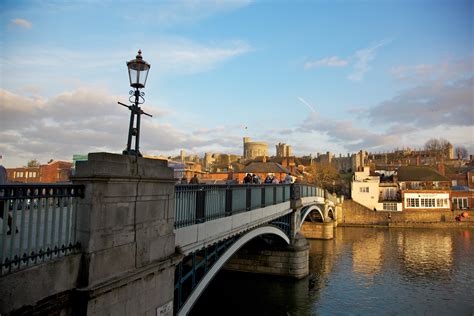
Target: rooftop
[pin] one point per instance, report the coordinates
(416, 173)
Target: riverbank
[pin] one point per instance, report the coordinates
(354, 214)
(414, 225)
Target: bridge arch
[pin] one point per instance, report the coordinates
(309, 210)
(331, 214)
(185, 309)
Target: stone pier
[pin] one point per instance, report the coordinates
(314, 230)
(126, 231)
(127, 258)
(288, 261)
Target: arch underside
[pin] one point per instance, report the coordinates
(311, 213)
(233, 246)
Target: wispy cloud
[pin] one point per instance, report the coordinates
(311, 108)
(449, 70)
(171, 13)
(22, 23)
(333, 61)
(184, 56)
(363, 58)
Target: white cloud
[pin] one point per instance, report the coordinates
(333, 61)
(363, 58)
(22, 23)
(184, 56)
(187, 11)
(90, 120)
(29, 66)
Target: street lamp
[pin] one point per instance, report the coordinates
(137, 74)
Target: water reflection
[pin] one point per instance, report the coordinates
(362, 271)
(426, 255)
(367, 255)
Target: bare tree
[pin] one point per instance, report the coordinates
(325, 176)
(438, 147)
(460, 152)
(33, 163)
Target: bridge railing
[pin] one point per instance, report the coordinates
(38, 223)
(330, 197)
(198, 203)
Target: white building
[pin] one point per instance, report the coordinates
(369, 192)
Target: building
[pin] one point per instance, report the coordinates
(421, 178)
(54, 171)
(214, 162)
(413, 200)
(409, 157)
(462, 198)
(253, 150)
(345, 164)
(283, 150)
(262, 169)
(365, 189)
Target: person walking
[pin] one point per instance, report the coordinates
(194, 180)
(268, 179)
(4, 203)
(248, 178)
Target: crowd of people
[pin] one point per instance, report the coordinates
(250, 178)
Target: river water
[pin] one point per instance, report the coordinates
(362, 271)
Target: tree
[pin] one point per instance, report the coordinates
(438, 147)
(33, 163)
(324, 176)
(460, 152)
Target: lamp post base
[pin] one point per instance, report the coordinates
(131, 152)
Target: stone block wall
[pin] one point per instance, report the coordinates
(291, 261)
(355, 214)
(318, 230)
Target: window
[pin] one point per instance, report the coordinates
(364, 189)
(390, 206)
(412, 202)
(460, 203)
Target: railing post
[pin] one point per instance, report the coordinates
(295, 191)
(200, 204)
(263, 196)
(248, 198)
(274, 195)
(228, 201)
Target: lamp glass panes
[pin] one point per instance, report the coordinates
(138, 71)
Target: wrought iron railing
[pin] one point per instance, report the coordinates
(38, 223)
(196, 203)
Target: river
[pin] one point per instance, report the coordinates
(362, 271)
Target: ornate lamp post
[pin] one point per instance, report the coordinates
(137, 73)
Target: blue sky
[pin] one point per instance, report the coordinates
(319, 75)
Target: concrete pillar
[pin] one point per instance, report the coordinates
(125, 226)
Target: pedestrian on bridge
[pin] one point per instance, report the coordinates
(248, 178)
(194, 180)
(4, 204)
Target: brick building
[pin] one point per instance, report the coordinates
(52, 172)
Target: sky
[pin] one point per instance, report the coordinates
(338, 76)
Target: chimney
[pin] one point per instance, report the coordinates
(441, 169)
